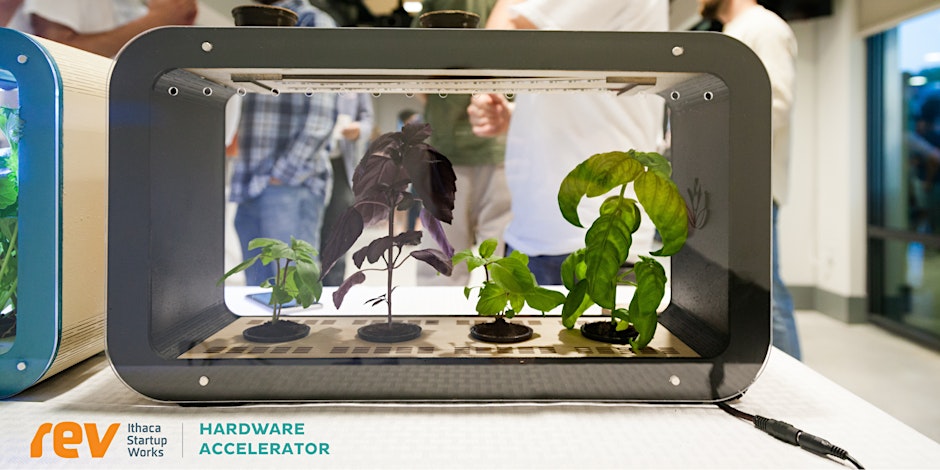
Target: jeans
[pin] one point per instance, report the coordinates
(279, 212)
(782, 319)
(547, 268)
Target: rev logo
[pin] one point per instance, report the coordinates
(67, 435)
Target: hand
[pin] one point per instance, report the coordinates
(173, 12)
(352, 131)
(489, 114)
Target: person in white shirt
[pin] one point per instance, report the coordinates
(550, 134)
(98, 26)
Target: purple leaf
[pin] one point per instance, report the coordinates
(375, 177)
(434, 228)
(357, 278)
(374, 250)
(408, 238)
(436, 259)
(414, 134)
(344, 235)
(433, 179)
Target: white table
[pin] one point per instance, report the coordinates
(435, 436)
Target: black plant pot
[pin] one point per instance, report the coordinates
(394, 332)
(280, 331)
(449, 19)
(606, 332)
(500, 331)
(263, 15)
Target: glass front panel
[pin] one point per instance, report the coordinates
(9, 201)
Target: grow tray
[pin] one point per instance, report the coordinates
(333, 333)
(172, 336)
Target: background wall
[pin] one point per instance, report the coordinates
(823, 226)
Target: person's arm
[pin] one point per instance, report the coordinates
(502, 17)
(108, 43)
(489, 114)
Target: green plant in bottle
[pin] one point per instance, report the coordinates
(9, 205)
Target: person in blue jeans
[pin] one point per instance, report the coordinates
(282, 177)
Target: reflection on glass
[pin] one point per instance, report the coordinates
(912, 285)
(919, 66)
(9, 202)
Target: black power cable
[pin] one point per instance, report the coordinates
(791, 435)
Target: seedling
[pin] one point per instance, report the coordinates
(296, 278)
(508, 287)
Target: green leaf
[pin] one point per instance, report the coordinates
(576, 303)
(488, 247)
(301, 247)
(512, 275)
(666, 208)
(651, 286)
(467, 256)
(237, 269)
(309, 287)
(466, 292)
(516, 302)
(625, 208)
(493, 299)
(593, 177)
(655, 163)
(280, 296)
(607, 245)
(569, 269)
(543, 299)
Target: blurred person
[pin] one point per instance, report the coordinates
(282, 177)
(775, 44)
(98, 26)
(481, 207)
(549, 134)
(354, 122)
(7, 9)
(923, 143)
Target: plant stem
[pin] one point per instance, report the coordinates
(390, 264)
(277, 282)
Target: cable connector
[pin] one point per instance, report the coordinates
(790, 434)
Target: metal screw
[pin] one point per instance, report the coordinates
(207, 46)
(203, 381)
(22, 58)
(674, 380)
(678, 50)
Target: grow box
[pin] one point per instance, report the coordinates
(172, 335)
(53, 162)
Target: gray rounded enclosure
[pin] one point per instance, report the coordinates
(168, 92)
